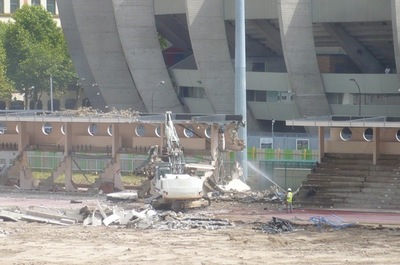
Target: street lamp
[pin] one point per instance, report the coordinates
(359, 96)
(152, 93)
(51, 94)
(273, 122)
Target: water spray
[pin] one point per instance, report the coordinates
(264, 175)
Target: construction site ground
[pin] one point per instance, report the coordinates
(372, 238)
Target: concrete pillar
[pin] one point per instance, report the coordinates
(67, 139)
(138, 34)
(94, 44)
(23, 136)
(206, 26)
(377, 144)
(116, 143)
(395, 4)
(295, 21)
(25, 174)
(69, 186)
(215, 151)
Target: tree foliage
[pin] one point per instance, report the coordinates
(163, 41)
(35, 50)
(6, 86)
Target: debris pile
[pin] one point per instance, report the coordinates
(246, 196)
(187, 223)
(89, 111)
(236, 190)
(276, 226)
(97, 214)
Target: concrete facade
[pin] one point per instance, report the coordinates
(138, 34)
(210, 48)
(301, 55)
(102, 56)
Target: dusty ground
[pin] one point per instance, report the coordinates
(34, 243)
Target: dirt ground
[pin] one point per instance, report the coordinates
(35, 243)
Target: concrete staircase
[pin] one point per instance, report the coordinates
(18, 173)
(110, 175)
(49, 182)
(352, 182)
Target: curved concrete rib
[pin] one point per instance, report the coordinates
(210, 46)
(77, 52)
(137, 31)
(396, 33)
(300, 57)
(106, 60)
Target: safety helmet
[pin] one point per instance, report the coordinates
(289, 189)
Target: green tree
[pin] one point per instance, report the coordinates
(36, 49)
(6, 86)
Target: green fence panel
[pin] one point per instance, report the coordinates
(288, 154)
(269, 154)
(232, 156)
(309, 154)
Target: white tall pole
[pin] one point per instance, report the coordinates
(240, 78)
(51, 94)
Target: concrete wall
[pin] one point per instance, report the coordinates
(333, 83)
(80, 139)
(350, 10)
(357, 144)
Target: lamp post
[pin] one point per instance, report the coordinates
(273, 122)
(51, 94)
(152, 93)
(359, 96)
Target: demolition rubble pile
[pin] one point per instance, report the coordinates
(89, 111)
(236, 190)
(276, 226)
(97, 214)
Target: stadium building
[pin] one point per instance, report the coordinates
(304, 57)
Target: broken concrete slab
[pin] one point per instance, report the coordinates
(74, 215)
(127, 195)
(111, 219)
(101, 210)
(96, 219)
(87, 221)
(42, 220)
(45, 213)
(126, 217)
(10, 216)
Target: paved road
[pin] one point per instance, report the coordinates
(250, 212)
(344, 216)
